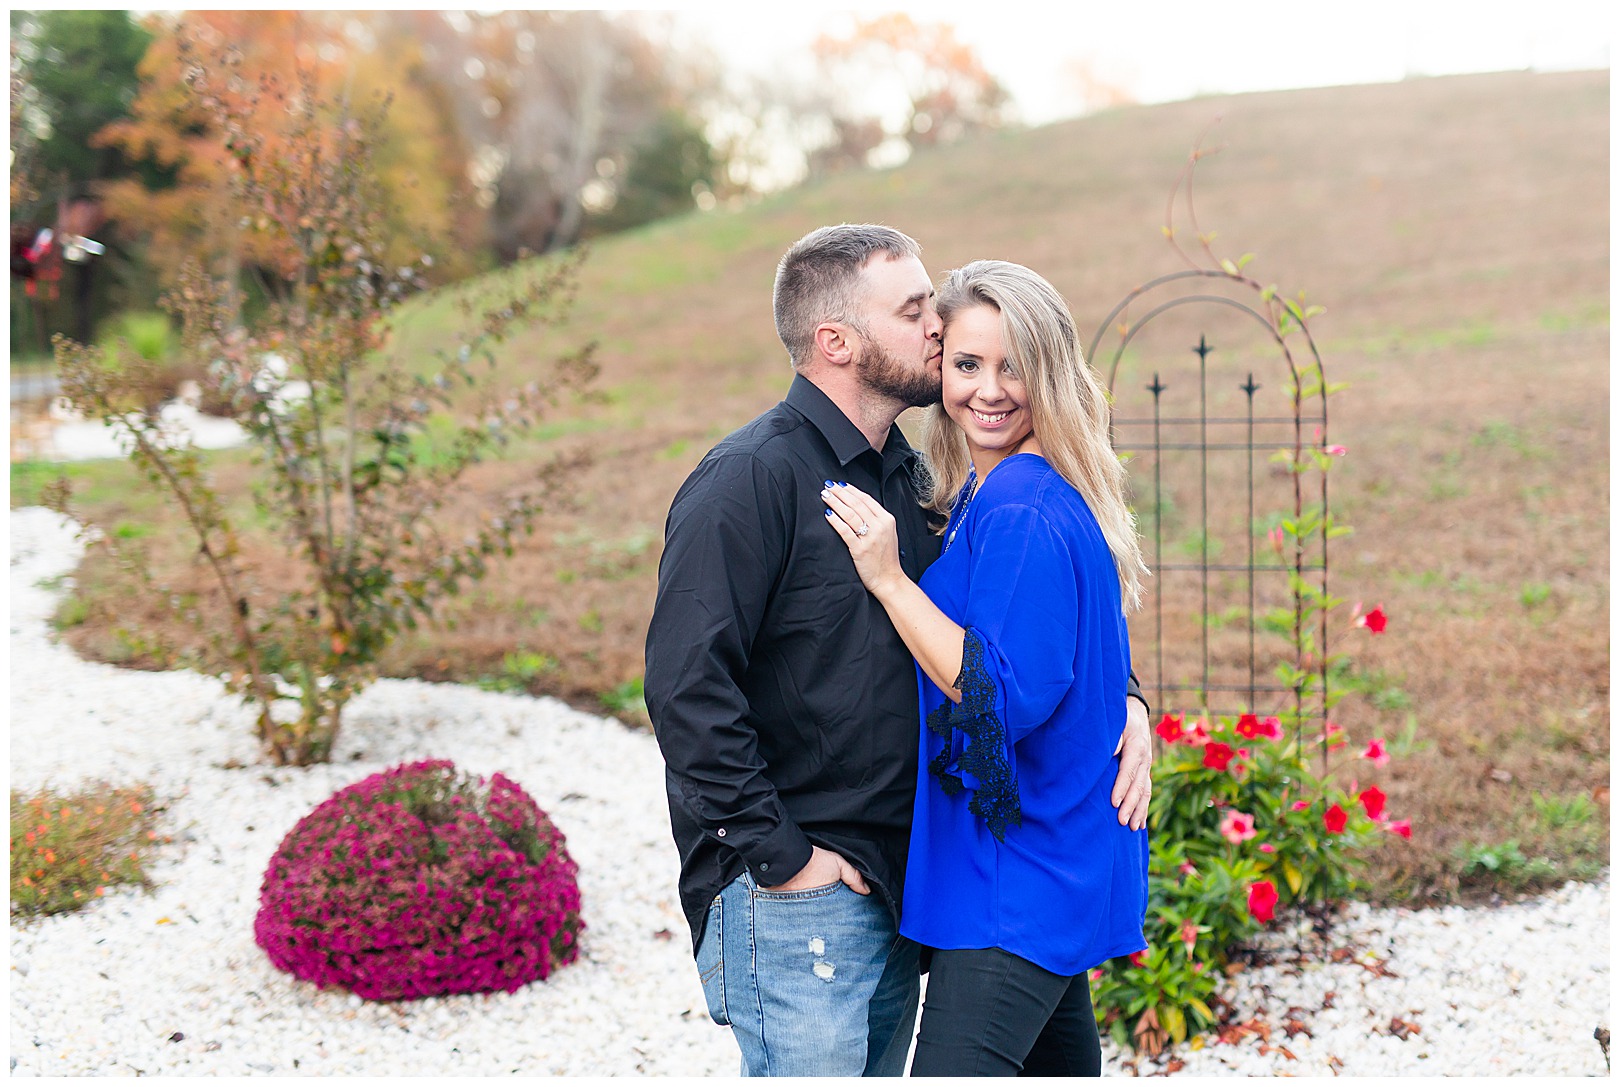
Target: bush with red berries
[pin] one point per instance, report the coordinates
(421, 881)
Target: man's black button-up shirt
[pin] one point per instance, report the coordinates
(783, 699)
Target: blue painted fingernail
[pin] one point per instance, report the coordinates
(828, 512)
(827, 482)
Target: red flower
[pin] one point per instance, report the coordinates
(1334, 819)
(1262, 900)
(1169, 728)
(1375, 621)
(1375, 752)
(1237, 827)
(1403, 827)
(1248, 726)
(1373, 800)
(1138, 958)
(1217, 755)
(1189, 934)
(1196, 735)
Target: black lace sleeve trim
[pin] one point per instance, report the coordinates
(996, 798)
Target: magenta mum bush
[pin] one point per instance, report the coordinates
(421, 881)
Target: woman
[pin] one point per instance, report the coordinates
(1020, 876)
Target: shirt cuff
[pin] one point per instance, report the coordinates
(779, 856)
(1134, 690)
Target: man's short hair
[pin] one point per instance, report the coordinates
(817, 277)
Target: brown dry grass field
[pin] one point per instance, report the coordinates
(1457, 231)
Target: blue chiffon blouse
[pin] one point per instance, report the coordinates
(1015, 842)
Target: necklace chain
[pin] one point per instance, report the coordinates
(969, 489)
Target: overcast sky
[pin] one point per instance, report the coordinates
(1165, 50)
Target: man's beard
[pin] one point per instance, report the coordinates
(884, 374)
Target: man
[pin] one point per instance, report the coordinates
(784, 701)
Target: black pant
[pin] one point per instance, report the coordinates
(990, 1013)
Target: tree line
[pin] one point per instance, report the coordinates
(507, 134)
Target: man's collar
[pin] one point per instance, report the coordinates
(844, 436)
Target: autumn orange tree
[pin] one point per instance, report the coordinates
(418, 163)
(358, 477)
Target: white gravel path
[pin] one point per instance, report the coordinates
(171, 982)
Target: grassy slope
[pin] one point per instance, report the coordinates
(1456, 228)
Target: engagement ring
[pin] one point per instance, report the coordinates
(863, 530)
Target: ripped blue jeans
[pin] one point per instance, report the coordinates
(812, 983)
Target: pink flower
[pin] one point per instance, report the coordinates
(1138, 958)
(1187, 869)
(1196, 736)
(1336, 450)
(1217, 755)
(1372, 798)
(1267, 847)
(1276, 537)
(1375, 752)
(1262, 900)
(1237, 827)
(1334, 819)
(1301, 805)
(1189, 934)
(1402, 827)
(1169, 728)
(1198, 967)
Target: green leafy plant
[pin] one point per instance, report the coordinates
(1504, 862)
(358, 454)
(69, 849)
(1240, 825)
(519, 668)
(628, 699)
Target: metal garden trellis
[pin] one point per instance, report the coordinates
(1154, 432)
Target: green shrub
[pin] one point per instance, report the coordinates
(1240, 826)
(68, 849)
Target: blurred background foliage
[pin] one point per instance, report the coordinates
(510, 133)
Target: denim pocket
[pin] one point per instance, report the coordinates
(711, 966)
(799, 896)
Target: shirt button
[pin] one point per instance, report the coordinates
(721, 832)
(764, 866)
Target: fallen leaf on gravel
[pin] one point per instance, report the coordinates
(1294, 1027)
(1335, 1064)
(1401, 1029)
(1236, 1032)
(1174, 1066)
(663, 934)
(1328, 998)
(1285, 1051)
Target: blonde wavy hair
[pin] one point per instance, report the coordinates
(1068, 406)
